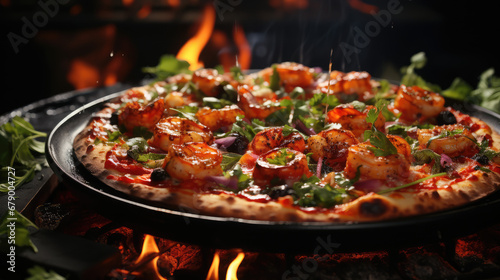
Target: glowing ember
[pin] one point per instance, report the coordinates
(190, 52)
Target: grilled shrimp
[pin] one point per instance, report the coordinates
(290, 167)
(136, 94)
(352, 119)
(175, 99)
(331, 145)
(215, 119)
(291, 74)
(208, 81)
(342, 84)
(273, 137)
(253, 107)
(401, 145)
(181, 78)
(416, 103)
(175, 130)
(375, 167)
(134, 114)
(452, 140)
(195, 160)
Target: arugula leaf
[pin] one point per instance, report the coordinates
(248, 130)
(220, 69)
(487, 93)
(168, 66)
(229, 93)
(297, 92)
(427, 156)
(411, 184)
(22, 232)
(274, 83)
(459, 89)
(411, 78)
(39, 273)
(229, 160)
(345, 183)
(309, 193)
(216, 103)
(20, 151)
(141, 131)
(237, 73)
(243, 180)
(185, 114)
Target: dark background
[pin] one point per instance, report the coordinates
(117, 39)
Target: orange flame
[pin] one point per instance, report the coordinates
(82, 75)
(213, 272)
(190, 52)
(245, 53)
(127, 3)
(363, 7)
(173, 3)
(233, 267)
(148, 248)
(144, 11)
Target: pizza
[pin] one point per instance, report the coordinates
(290, 143)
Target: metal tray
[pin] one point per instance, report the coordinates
(250, 235)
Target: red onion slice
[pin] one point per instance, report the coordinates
(302, 127)
(371, 185)
(318, 168)
(231, 182)
(226, 141)
(445, 160)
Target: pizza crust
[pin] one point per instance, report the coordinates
(368, 208)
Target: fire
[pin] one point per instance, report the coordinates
(144, 11)
(127, 3)
(245, 53)
(233, 267)
(82, 75)
(213, 272)
(190, 52)
(144, 261)
(363, 7)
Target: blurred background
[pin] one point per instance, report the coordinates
(54, 46)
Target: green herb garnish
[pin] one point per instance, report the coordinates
(20, 152)
(382, 144)
(412, 183)
(308, 193)
(21, 238)
(274, 83)
(283, 157)
(168, 66)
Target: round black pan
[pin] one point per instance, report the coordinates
(250, 235)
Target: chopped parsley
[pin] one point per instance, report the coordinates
(283, 157)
